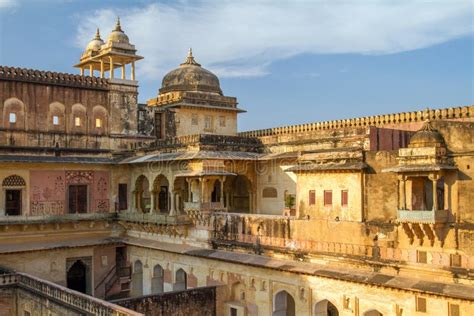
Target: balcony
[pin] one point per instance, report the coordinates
(153, 218)
(422, 216)
(207, 206)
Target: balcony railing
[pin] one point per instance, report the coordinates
(65, 296)
(206, 206)
(153, 218)
(422, 216)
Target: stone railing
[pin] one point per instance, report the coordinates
(154, 218)
(64, 296)
(422, 216)
(208, 140)
(377, 120)
(205, 206)
(52, 78)
(26, 219)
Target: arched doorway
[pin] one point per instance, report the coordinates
(142, 194)
(373, 312)
(240, 195)
(162, 194)
(216, 191)
(137, 279)
(157, 281)
(13, 187)
(325, 308)
(283, 304)
(180, 280)
(77, 277)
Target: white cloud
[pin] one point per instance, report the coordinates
(242, 38)
(4, 4)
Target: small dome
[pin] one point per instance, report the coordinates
(427, 137)
(117, 35)
(96, 43)
(190, 76)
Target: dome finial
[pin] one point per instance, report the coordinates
(97, 34)
(117, 25)
(190, 59)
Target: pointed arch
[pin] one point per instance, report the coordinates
(283, 304)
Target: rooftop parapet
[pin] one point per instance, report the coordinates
(376, 120)
(52, 78)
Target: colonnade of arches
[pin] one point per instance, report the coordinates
(284, 305)
(179, 282)
(171, 195)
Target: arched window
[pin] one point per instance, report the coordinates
(325, 308)
(99, 120)
(78, 118)
(14, 190)
(142, 194)
(180, 280)
(14, 114)
(157, 281)
(283, 304)
(56, 117)
(137, 279)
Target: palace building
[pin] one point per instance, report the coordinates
(113, 207)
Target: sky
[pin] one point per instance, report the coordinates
(287, 62)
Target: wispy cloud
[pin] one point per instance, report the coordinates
(242, 38)
(5, 4)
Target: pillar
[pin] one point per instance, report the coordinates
(188, 181)
(435, 193)
(101, 68)
(123, 71)
(111, 61)
(402, 179)
(172, 193)
(152, 201)
(91, 70)
(222, 191)
(133, 70)
(82, 71)
(201, 199)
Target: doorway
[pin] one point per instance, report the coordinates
(13, 202)
(76, 277)
(78, 198)
(163, 199)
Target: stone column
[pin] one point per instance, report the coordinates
(152, 201)
(111, 61)
(402, 180)
(434, 179)
(222, 191)
(133, 71)
(201, 181)
(172, 193)
(101, 68)
(82, 71)
(123, 71)
(91, 71)
(189, 182)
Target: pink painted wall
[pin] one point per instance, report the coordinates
(48, 193)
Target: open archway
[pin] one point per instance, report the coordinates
(283, 304)
(77, 277)
(142, 194)
(373, 312)
(161, 194)
(239, 191)
(325, 308)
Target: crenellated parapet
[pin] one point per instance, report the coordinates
(385, 120)
(52, 78)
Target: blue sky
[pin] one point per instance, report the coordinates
(286, 62)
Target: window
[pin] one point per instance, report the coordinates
(344, 198)
(122, 203)
(327, 198)
(222, 121)
(55, 120)
(421, 304)
(26, 313)
(455, 260)
(453, 310)
(194, 119)
(421, 257)
(233, 311)
(12, 118)
(269, 192)
(77, 121)
(208, 122)
(98, 122)
(312, 197)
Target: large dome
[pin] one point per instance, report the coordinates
(190, 76)
(117, 35)
(427, 137)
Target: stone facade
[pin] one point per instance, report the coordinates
(363, 216)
